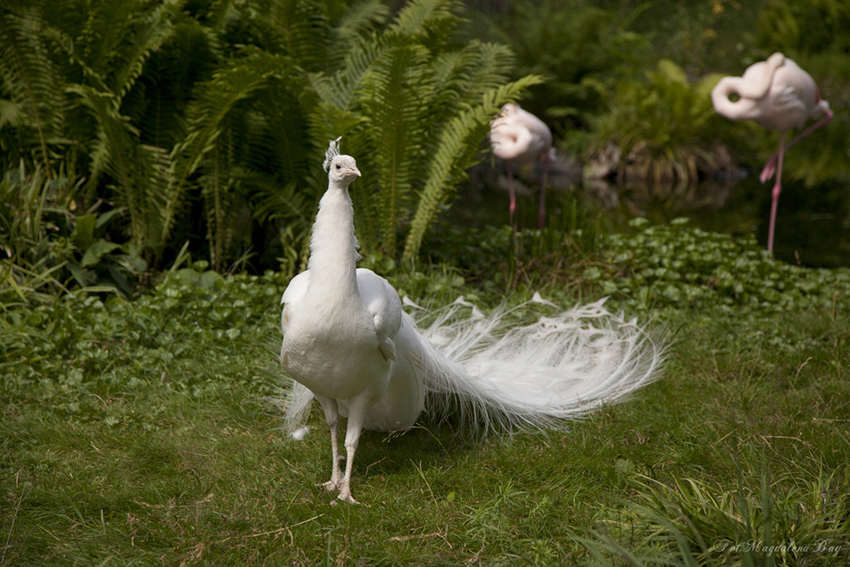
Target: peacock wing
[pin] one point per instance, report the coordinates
(293, 293)
(383, 303)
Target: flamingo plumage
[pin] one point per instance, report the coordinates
(520, 138)
(779, 95)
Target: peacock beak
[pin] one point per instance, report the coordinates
(355, 171)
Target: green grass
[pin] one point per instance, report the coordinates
(138, 433)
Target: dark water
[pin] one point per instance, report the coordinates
(812, 227)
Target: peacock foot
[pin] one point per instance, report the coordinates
(345, 496)
(330, 485)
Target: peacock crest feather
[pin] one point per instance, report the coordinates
(333, 151)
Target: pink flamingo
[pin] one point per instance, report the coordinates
(520, 138)
(775, 94)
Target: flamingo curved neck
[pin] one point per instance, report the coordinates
(751, 89)
(511, 141)
(742, 109)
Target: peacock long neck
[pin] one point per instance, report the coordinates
(333, 247)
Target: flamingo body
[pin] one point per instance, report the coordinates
(520, 138)
(775, 94)
(779, 95)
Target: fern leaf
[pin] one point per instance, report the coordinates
(140, 172)
(298, 29)
(29, 75)
(356, 23)
(215, 100)
(152, 31)
(427, 19)
(455, 152)
(394, 96)
(339, 88)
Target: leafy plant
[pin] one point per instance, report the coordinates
(804, 27)
(693, 522)
(31, 98)
(663, 129)
(413, 108)
(31, 270)
(101, 265)
(49, 247)
(207, 120)
(674, 265)
(581, 48)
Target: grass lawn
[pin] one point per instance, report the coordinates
(138, 433)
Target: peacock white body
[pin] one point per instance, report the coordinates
(348, 343)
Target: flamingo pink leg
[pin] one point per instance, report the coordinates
(541, 214)
(777, 189)
(770, 166)
(512, 206)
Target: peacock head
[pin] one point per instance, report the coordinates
(341, 168)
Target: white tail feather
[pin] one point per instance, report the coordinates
(297, 409)
(560, 367)
(501, 376)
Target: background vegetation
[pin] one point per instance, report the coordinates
(160, 170)
(636, 74)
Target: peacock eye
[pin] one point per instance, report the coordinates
(337, 166)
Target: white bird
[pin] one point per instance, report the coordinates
(520, 138)
(348, 343)
(775, 94)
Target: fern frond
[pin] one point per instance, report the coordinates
(486, 66)
(12, 114)
(149, 34)
(428, 20)
(219, 185)
(339, 88)
(271, 202)
(356, 23)
(30, 76)
(279, 128)
(157, 104)
(215, 100)
(140, 172)
(298, 29)
(394, 98)
(455, 152)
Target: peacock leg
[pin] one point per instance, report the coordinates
(356, 416)
(329, 406)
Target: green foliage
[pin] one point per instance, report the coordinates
(804, 27)
(497, 259)
(673, 265)
(170, 109)
(581, 49)
(48, 247)
(691, 522)
(663, 128)
(31, 268)
(33, 110)
(98, 264)
(412, 107)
